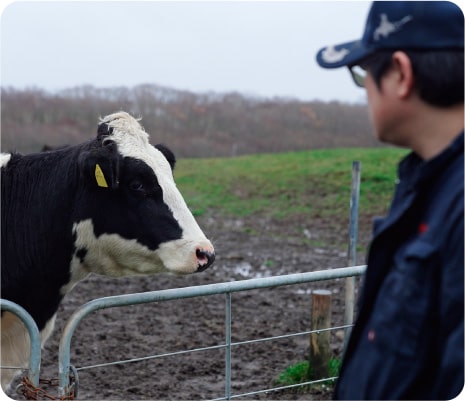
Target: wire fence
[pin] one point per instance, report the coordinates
(189, 292)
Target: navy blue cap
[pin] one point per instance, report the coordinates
(399, 25)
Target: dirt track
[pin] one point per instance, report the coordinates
(246, 248)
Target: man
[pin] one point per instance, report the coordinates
(408, 339)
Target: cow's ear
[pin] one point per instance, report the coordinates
(169, 155)
(103, 130)
(100, 166)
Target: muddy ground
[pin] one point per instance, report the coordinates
(246, 248)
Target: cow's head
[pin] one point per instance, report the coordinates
(133, 218)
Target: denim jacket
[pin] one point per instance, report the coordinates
(408, 339)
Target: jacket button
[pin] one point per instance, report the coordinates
(371, 335)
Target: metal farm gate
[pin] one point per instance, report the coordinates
(68, 389)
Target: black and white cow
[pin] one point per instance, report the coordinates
(109, 206)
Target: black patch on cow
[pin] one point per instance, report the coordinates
(136, 210)
(108, 159)
(37, 199)
(81, 254)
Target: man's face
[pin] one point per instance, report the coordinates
(387, 106)
(379, 101)
(378, 106)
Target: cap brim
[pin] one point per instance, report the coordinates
(342, 55)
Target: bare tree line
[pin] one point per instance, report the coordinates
(192, 124)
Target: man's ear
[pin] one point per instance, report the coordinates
(100, 166)
(404, 73)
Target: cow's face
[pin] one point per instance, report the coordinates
(133, 219)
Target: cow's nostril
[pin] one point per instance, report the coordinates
(205, 259)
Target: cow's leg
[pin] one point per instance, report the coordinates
(15, 346)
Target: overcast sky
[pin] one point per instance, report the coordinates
(259, 48)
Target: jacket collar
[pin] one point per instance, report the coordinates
(416, 171)
(415, 174)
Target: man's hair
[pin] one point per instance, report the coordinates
(439, 75)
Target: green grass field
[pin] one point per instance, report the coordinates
(311, 184)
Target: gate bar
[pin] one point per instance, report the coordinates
(228, 348)
(181, 293)
(352, 251)
(34, 336)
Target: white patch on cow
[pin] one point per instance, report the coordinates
(4, 159)
(15, 345)
(113, 255)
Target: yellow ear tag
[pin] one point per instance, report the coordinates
(101, 181)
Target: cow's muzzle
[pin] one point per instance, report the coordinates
(205, 259)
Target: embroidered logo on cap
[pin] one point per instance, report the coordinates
(331, 55)
(386, 27)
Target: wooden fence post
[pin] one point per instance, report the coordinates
(320, 350)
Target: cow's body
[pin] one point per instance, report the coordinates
(109, 206)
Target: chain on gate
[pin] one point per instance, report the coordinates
(32, 392)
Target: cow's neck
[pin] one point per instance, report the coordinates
(36, 265)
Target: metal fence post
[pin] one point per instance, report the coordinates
(228, 347)
(352, 251)
(34, 336)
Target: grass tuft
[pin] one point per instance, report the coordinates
(301, 372)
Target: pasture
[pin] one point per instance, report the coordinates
(303, 185)
(267, 215)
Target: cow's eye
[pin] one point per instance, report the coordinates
(136, 186)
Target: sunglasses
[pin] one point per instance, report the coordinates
(358, 74)
(376, 63)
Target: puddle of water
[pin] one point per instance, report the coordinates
(246, 270)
